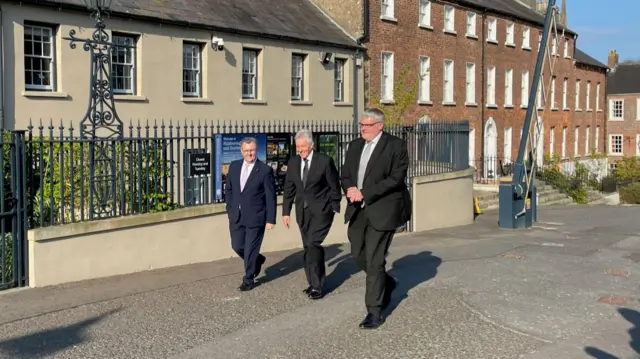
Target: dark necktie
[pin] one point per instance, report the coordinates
(305, 170)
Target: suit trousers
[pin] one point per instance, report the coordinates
(314, 230)
(369, 247)
(246, 242)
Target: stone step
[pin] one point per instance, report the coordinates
(549, 197)
(563, 201)
(487, 196)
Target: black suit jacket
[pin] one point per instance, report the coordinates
(322, 191)
(255, 206)
(386, 197)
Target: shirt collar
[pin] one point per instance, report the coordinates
(376, 139)
(310, 156)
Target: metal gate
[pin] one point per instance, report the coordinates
(13, 214)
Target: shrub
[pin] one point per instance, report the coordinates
(630, 193)
(571, 185)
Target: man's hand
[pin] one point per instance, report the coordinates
(286, 220)
(354, 194)
(269, 226)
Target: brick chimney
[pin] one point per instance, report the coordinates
(613, 59)
(563, 13)
(541, 6)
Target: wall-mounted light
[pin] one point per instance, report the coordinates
(325, 57)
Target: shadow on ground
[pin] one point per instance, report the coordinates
(633, 317)
(294, 263)
(411, 271)
(51, 341)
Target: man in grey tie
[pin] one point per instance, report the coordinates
(373, 178)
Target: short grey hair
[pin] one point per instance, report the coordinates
(305, 134)
(374, 113)
(248, 140)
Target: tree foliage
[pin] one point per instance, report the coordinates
(405, 91)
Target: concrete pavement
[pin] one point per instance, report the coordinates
(567, 288)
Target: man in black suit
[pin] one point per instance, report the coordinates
(250, 195)
(373, 178)
(313, 182)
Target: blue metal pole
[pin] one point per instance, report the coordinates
(518, 167)
(513, 211)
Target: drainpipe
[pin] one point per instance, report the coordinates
(361, 40)
(356, 81)
(365, 22)
(2, 125)
(483, 39)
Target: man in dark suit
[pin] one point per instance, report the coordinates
(373, 178)
(313, 182)
(251, 206)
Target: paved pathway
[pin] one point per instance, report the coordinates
(565, 289)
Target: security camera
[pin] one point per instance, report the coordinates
(217, 43)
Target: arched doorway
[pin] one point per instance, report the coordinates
(490, 149)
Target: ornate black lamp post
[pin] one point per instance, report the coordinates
(101, 127)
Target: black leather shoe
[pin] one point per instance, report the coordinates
(315, 294)
(392, 284)
(245, 286)
(372, 321)
(259, 262)
(307, 290)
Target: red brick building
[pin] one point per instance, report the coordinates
(474, 60)
(623, 119)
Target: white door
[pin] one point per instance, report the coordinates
(539, 142)
(490, 149)
(472, 147)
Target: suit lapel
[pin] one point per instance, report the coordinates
(377, 151)
(313, 166)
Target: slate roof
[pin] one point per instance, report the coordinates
(288, 20)
(624, 79)
(582, 57)
(514, 9)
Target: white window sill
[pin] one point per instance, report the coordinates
(342, 104)
(44, 94)
(388, 18)
(527, 48)
(426, 27)
(448, 103)
(491, 105)
(510, 44)
(195, 100)
(450, 32)
(508, 106)
(471, 104)
(425, 103)
(300, 103)
(472, 36)
(251, 101)
(495, 42)
(132, 98)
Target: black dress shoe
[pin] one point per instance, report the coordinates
(307, 290)
(259, 262)
(315, 294)
(372, 321)
(247, 286)
(392, 284)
